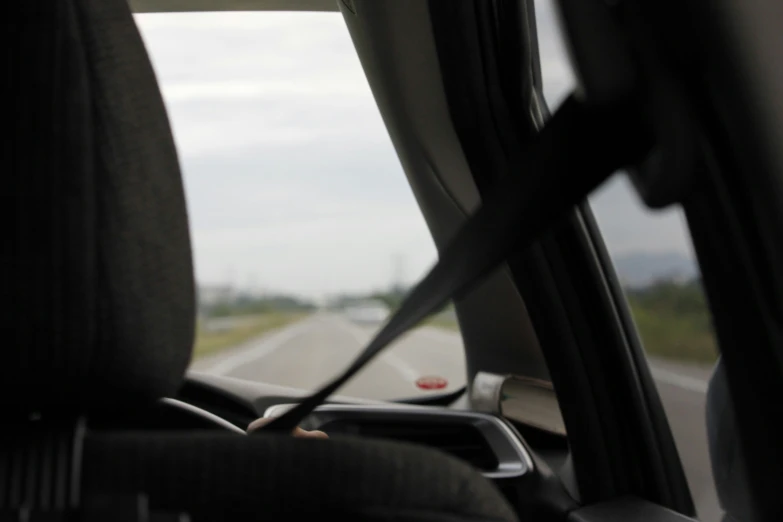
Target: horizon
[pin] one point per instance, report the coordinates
(662, 273)
(291, 179)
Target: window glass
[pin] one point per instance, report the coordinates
(305, 231)
(653, 258)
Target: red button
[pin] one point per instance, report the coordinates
(431, 383)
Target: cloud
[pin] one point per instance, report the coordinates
(248, 91)
(259, 46)
(628, 226)
(556, 70)
(207, 126)
(329, 254)
(291, 178)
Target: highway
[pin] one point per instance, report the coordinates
(311, 351)
(683, 392)
(315, 349)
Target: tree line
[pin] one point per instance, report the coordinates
(253, 305)
(672, 318)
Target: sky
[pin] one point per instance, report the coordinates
(291, 179)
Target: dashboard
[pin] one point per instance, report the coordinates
(486, 442)
(496, 446)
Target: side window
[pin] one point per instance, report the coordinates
(653, 257)
(661, 282)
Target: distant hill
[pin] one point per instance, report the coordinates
(640, 269)
(636, 270)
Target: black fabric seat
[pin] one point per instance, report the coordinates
(97, 270)
(261, 477)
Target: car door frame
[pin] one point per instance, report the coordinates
(619, 436)
(560, 293)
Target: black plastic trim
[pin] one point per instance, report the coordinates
(616, 441)
(513, 458)
(663, 438)
(628, 509)
(441, 399)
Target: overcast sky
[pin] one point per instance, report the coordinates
(291, 179)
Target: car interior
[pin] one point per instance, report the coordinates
(105, 422)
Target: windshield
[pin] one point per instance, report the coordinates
(305, 232)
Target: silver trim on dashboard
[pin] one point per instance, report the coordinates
(514, 460)
(198, 412)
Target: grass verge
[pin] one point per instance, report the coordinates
(664, 333)
(210, 342)
(447, 323)
(674, 336)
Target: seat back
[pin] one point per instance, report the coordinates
(99, 275)
(97, 264)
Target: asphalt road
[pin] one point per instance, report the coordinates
(307, 353)
(683, 392)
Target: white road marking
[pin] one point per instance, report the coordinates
(403, 368)
(679, 380)
(263, 347)
(408, 372)
(258, 349)
(440, 335)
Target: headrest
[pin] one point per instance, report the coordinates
(96, 272)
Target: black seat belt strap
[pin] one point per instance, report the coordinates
(578, 149)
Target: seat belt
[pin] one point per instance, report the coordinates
(580, 146)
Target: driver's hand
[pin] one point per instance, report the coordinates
(298, 432)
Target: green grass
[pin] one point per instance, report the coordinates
(447, 323)
(672, 319)
(685, 337)
(210, 342)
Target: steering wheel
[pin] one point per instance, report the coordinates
(202, 417)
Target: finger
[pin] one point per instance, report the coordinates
(298, 432)
(315, 434)
(258, 423)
